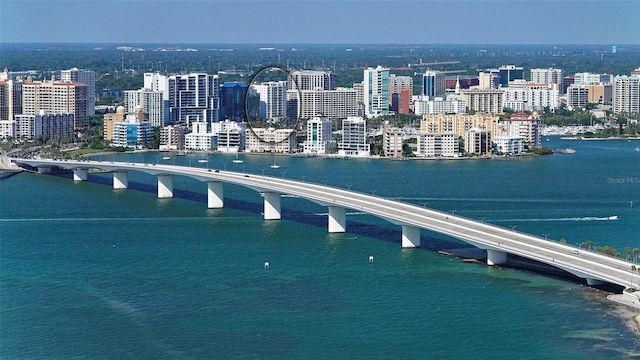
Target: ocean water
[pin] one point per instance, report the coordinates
(89, 272)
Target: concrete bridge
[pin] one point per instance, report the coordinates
(595, 268)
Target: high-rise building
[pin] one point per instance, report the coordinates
(509, 73)
(193, 98)
(577, 96)
(151, 103)
(626, 94)
(547, 76)
(232, 96)
(483, 100)
(488, 80)
(157, 82)
(376, 92)
(424, 105)
(270, 140)
(87, 77)
(273, 99)
(522, 125)
(334, 104)
(171, 137)
(477, 141)
(354, 138)
(132, 132)
(319, 137)
(112, 118)
(586, 78)
(400, 91)
(56, 98)
(433, 84)
(438, 144)
(10, 98)
(313, 80)
(392, 141)
(457, 123)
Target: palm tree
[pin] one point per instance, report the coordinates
(635, 253)
(627, 251)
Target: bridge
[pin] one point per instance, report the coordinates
(595, 268)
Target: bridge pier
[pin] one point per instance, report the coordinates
(271, 205)
(496, 257)
(215, 194)
(410, 236)
(80, 175)
(337, 219)
(120, 180)
(165, 186)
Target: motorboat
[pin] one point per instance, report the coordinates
(166, 157)
(237, 160)
(613, 217)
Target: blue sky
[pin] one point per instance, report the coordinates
(322, 21)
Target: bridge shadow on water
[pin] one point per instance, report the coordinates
(390, 233)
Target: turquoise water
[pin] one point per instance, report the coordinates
(88, 272)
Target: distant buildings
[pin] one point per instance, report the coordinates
(232, 96)
(400, 90)
(313, 80)
(483, 100)
(577, 96)
(433, 84)
(151, 103)
(547, 76)
(86, 77)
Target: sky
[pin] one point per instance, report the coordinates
(606, 22)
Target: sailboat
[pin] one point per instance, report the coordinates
(275, 166)
(237, 160)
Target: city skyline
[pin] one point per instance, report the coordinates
(321, 22)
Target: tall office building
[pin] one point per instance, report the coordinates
(376, 91)
(232, 95)
(488, 80)
(56, 98)
(626, 94)
(586, 78)
(151, 103)
(400, 91)
(193, 98)
(87, 77)
(433, 84)
(509, 73)
(577, 96)
(314, 80)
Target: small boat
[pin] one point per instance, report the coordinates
(203, 160)
(275, 166)
(637, 149)
(613, 217)
(166, 157)
(237, 161)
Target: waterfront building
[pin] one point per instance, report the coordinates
(514, 97)
(319, 136)
(577, 96)
(354, 138)
(231, 135)
(433, 84)
(56, 97)
(313, 80)
(483, 100)
(270, 140)
(457, 123)
(508, 145)
(200, 138)
(232, 96)
(87, 77)
(54, 126)
(392, 141)
(151, 102)
(193, 98)
(133, 132)
(626, 94)
(477, 141)
(172, 137)
(540, 96)
(25, 126)
(376, 92)
(521, 125)
(438, 145)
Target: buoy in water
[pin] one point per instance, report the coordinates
(370, 259)
(266, 265)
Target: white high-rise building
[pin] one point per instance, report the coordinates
(547, 76)
(376, 92)
(313, 80)
(438, 145)
(157, 82)
(626, 94)
(483, 100)
(424, 105)
(577, 96)
(273, 99)
(586, 78)
(87, 77)
(132, 132)
(334, 104)
(151, 102)
(319, 137)
(354, 138)
(193, 97)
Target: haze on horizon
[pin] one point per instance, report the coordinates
(585, 22)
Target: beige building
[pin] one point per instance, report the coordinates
(600, 93)
(56, 98)
(483, 100)
(477, 141)
(392, 141)
(458, 123)
(270, 140)
(111, 118)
